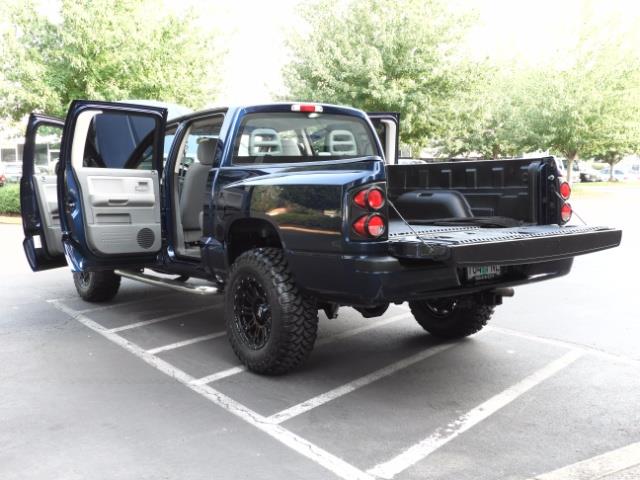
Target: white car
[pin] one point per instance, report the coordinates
(13, 171)
(618, 175)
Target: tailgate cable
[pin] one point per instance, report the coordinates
(573, 212)
(424, 242)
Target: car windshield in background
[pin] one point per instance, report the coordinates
(302, 137)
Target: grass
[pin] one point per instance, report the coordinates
(10, 199)
(594, 189)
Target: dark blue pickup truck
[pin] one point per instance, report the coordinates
(288, 209)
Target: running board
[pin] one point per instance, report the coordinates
(168, 283)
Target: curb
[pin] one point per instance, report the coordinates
(10, 220)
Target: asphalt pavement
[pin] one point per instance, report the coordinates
(147, 387)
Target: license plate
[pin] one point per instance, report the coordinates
(483, 273)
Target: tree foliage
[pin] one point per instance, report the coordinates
(379, 55)
(102, 49)
(403, 56)
(590, 109)
(487, 120)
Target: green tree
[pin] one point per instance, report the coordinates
(590, 107)
(102, 49)
(380, 55)
(488, 120)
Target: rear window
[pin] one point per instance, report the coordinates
(302, 137)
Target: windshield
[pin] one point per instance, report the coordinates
(302, 137)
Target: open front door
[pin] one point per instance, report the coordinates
(38, 194)
(387, 125)
(112, 158)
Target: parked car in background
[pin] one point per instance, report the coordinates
(589, 174)
(618, 175)
(13, 171)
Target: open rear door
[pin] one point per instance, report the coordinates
(38, 194)
(387, 125)
(112, 158)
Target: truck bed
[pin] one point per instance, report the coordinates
(472, 245)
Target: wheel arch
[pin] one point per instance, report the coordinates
(245, 234)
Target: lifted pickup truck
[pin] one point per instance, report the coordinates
(288, 209)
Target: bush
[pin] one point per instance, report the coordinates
(10, 199)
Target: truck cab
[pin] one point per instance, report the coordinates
(288, 209)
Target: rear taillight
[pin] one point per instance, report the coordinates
(565, 190)
(372, 226)
(366, 209)
(376, 225)
(565, 212)
(375, 198)
(372, 198)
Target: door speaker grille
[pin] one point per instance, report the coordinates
(146, 238)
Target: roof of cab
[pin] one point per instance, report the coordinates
(261, 107)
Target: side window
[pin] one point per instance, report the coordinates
(169, 136)
(47, 149)
(199, 146)
(117, 140)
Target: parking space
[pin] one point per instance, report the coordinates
(147, 386)
(377, 400)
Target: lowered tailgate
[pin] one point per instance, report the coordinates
(472, 245)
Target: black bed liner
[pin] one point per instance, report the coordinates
(472, 245)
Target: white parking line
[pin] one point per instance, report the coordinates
(322, 341)
(184, 343)
(598, 467)
(144, 323)
(124, 304)
(311, 451)
(442, 436)
(218, 375)
(564, 344)
(323, 398)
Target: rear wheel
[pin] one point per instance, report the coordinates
(271, 326)
(96, 286)
(451, 318)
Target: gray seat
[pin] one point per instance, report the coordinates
(192, 198)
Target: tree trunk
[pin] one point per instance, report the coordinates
(611, 164)
(570, 159)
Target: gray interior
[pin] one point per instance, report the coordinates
(47, 198)
(193, 191)
(121, 209)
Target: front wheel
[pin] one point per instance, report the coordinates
(97, 286)
(271, 326)
(451, 318)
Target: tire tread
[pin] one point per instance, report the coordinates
(299, 314)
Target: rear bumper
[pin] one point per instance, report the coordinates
(373, 280)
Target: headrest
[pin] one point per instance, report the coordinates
(265, 141)
(342, 142)
(207, 151)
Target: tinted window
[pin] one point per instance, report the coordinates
(169, 136)
(302, 137)
(118, 140)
